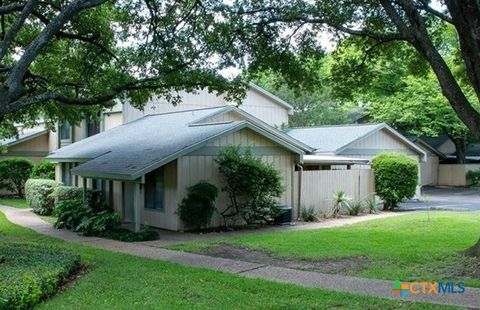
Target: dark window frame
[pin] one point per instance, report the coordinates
(155, 190)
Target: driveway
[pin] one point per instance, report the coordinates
(446, 198)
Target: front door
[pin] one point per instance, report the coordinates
(127, 199)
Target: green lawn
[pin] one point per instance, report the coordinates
(14, 202)
(420, 246)
(119, 281)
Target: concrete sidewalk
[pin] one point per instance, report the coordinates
(354, 285)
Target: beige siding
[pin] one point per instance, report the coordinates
(429, 170)
(455, 174)
(225, 117)
(34, 149)
(318, 187)
(195, 168)
(112, 120)
(254, 103)
(167, 218)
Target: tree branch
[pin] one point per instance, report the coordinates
(14, 81)
(10, 8)
(16, 26)
(427, 8)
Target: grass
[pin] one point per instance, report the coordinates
(14, 202)
(120, 281)
(420, 246)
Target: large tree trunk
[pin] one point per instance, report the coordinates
(474, 251)
(460, 150)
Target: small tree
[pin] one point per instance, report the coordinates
(14, 172)
(251, 185)
(197, 208)
(396, 178)
(44, 170)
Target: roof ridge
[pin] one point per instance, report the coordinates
(339, 125)
(183, 111)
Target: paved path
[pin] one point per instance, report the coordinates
(361, 286)
(447, 198)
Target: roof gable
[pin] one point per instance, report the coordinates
(131, 150)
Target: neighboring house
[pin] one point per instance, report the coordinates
(361, 141)
(32, 144)
(145, 166)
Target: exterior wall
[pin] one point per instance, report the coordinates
(455, 174)
(34, 149)
(166, 218)
(318, 187)
(112, 120)
(201, 165)
(429, 170)
(254, 103)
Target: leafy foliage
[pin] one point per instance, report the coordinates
(474, 177)
(340, 200)
(372, 204)
(44, 170)
(396, 177)
(14, 172)
(309, 214)
(355, 207)
(197, 208)
(251, 185)
(63, 192)
(129, 236)
(30, 273)
(38, 195)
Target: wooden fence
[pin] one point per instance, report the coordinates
(455, 174)
(318, 187)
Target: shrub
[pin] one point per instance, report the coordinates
(339, 202)
(372, 204)
(94, 223)
(70, 213)
(14, 172)
(62, 192)
(309, 214)
(38, 195)
(396, 177)
(474, 177)
(44, 170)
(197, 208)
(126, 235)
(31, 272)
(354, 207)
(251, 185)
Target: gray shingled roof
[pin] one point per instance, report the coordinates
(24, 136)
(329, 139)
(131, 150)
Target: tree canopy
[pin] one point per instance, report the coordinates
(66, 59)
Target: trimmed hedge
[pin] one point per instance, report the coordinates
(30, 273)
(44, 170)
(396, 177)
(197, 208)
(62, 192)
(14, 172)
(38, 195)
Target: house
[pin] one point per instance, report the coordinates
(31, 144)
(360, 141)
(145, 166)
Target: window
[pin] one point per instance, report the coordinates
(65, 131)
(93, 127)
(154, 190)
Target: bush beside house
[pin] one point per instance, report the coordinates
(14, 172)
(197, 208)
(38, 194)
(44, 170)
(251, 184)
(396, 178)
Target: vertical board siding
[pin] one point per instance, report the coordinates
(429, 171)
(166, 218)
(318, 187)
(455, 174)
(254, 103)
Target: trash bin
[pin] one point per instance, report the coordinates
(285, 217)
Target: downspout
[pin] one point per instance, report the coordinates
(299, 198)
